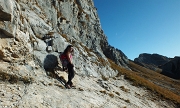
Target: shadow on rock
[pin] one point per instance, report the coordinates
(51, 66)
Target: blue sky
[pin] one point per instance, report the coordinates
(141, 26)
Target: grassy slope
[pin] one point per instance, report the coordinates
(152, 80)
(157, 78)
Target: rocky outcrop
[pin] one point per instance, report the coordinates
(169, 66)
(172, 68)
(115, 54)
(34, 32)
(38, 29)
(151, 61)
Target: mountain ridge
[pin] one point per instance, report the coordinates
(32, 34)
(169, 66)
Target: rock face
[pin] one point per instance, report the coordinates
(41, 28)
(116, 55)
(172, 68)
(33, 32)
(151, 61)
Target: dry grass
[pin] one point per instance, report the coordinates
(105, 78)
(102, 61)
(14, 78)
(124, 89)
(128, 101)
(111, 95)
(82, 11)
(90, 3)
(83, 23)
(65, 36)
(79, 7)
(141, 81)
(87, 50)
(87, 17)
(80, 89)
(103, 91)
(59, 14)
(155, 77)
(50, 33)
(50, 84)
(106, 93)
(117, 93)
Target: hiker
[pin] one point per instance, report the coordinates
(67, 55)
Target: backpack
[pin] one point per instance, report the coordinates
(64, 60)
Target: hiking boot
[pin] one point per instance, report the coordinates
(72, 85)
(67, 86)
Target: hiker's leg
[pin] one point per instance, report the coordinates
(72, 76)
(63, 68)
(70, 73)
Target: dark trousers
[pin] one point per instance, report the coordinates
(70, 73)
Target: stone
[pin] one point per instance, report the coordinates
(32, 35)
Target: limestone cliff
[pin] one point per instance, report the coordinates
(33, 32)
(39, 28)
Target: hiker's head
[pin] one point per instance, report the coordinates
(69, 49)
